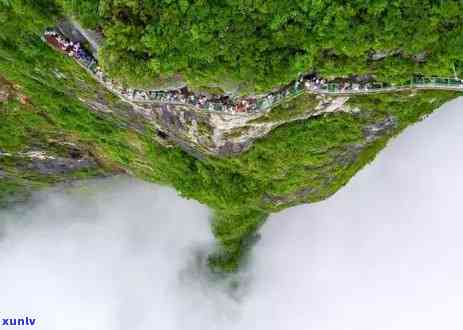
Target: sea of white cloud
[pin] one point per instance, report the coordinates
(383, 253)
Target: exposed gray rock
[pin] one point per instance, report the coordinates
(302, 194)
(214, 133)
(59, 165)
(382, 54)
(372, 132)
(420, 57)
(379, 55)
(349, 156)
(230, 148)
(45, 163)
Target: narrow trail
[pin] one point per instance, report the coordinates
(239, 105)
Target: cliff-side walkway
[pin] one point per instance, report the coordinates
(310, 83)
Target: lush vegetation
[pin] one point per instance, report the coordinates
(44, 111)
(303, 161)
(264, 43)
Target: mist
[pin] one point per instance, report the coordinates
(383, 253)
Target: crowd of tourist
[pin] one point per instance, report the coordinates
(224, 103)
(72, 49)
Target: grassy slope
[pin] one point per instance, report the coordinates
(316, 155)
(53, 112)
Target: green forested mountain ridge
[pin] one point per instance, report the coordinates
(265, 43)
(57, 124)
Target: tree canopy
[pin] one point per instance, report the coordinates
(264, 43)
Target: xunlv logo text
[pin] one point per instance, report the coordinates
(22, 321)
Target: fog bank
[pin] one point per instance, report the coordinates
(383, 253)
(112, 254)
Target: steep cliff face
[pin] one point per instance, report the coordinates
(225, 134)
(207, 132)
(213, 133)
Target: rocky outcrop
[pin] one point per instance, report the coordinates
(382, 54)
(45, 163)
(201, 132)
(373, 132)
(224, 134)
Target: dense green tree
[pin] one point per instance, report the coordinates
(264, 43)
